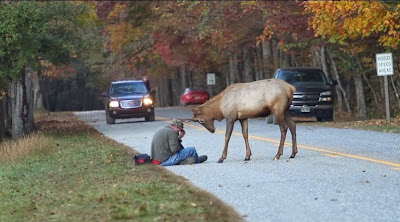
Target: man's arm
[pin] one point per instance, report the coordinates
(174, 142)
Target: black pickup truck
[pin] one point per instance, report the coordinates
(314, 93)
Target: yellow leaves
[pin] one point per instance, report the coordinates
(121, 34)
(2, 93)
(353, 20)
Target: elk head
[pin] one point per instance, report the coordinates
(204, 119)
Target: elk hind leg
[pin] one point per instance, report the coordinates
(283, 127)
(245, 132)
(292, 127)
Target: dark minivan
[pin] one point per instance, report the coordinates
(129, 99)
(314, 93)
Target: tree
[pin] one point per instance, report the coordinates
(34, 31)
(355, 25)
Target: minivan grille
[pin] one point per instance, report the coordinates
(131, 103)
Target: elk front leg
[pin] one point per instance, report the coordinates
(228, 133)
(245, 132)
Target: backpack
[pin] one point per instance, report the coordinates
(141, 159)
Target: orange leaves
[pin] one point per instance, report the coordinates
(50, 70)
(347, 20)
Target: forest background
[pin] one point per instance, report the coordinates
(62, 55)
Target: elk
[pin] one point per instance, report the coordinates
(242, 101)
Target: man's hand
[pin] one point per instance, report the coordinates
(181, 134)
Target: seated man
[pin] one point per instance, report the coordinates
(167, 149)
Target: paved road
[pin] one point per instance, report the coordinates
(338, 174)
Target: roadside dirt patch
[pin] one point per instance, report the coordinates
(60, 122)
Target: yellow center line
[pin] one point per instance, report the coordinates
(326, 152)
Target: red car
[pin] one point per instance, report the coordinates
(194, 96)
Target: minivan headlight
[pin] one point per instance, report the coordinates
(147, 101)
(113, 104)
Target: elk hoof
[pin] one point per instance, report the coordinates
(292, 156)
(246, 159)
(220, 161)
(276, 158)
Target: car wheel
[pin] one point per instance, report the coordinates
(182, 103)
(271, 119)
(109, 119)
(274, 120)
(150, 118)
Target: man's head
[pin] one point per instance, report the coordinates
(177, 124)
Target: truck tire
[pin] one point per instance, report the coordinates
(324, 119)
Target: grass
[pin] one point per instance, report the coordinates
(70, 172)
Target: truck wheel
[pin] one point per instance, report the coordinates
(326, 119)
(109, 119)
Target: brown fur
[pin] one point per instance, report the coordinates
(242, 101)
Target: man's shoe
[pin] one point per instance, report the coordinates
(188, 161)
(202, 158)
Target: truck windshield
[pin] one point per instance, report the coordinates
(302, 76)
(128, 88)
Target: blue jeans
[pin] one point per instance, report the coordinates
(181, 155)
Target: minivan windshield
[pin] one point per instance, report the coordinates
(302, 76)
(128, 88)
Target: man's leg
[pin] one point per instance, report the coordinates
(181, 155)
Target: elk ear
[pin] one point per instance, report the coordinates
(196, 111)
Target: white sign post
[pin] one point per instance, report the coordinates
(211, 79)
(384, 67)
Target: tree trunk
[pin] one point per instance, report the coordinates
(248, 69)
(396, 92)
(393, 82)
(182, 78)
(233, 69)
(7, 110)
(276, 54)
(368, 83)
(2, 120)
(268, 58)
(259, 63)
(339, 90)
(22, 106)
(37, 93)
(323, 62)
(316, 57)
(362, 107)
(286, 59)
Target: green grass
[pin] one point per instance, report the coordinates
(87, 177)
